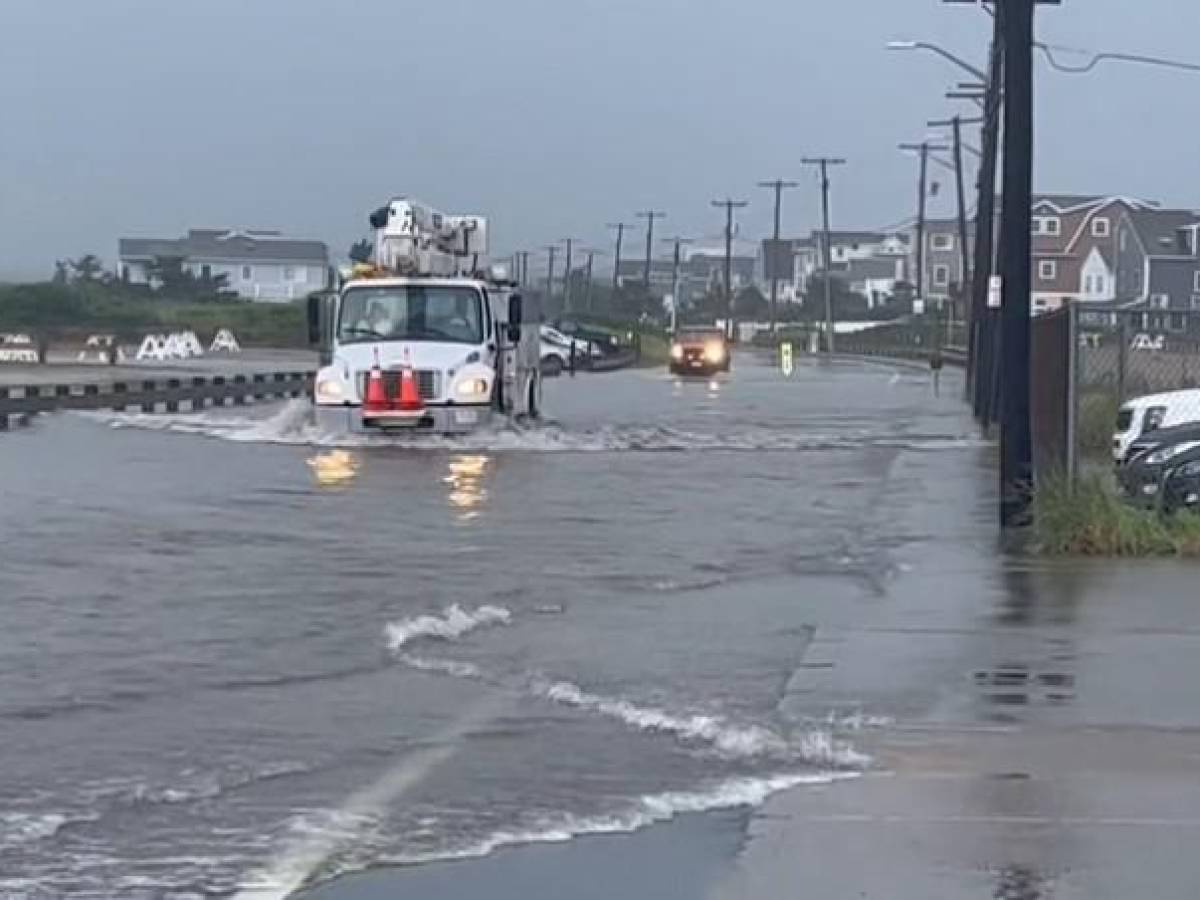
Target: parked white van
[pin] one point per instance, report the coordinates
(1144, 414)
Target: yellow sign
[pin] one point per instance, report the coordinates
(785, 358)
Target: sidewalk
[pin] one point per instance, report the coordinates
(1046, 734)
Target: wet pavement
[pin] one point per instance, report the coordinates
(757, 630)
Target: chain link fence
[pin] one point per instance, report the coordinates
(1134, 371)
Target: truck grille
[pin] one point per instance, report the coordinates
(428, 382)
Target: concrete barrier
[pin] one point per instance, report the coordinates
(24, 401)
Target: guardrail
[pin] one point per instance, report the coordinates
(20, 402)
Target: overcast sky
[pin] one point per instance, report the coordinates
(145, 117)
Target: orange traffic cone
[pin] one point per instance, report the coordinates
(410, 397)
(376, 398)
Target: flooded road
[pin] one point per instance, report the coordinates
(240, 657)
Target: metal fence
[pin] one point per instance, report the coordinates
(1124, 356)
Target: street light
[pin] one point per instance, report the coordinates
(976, 73)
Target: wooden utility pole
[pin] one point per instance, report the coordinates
(1016, 441)
(778, 186)
(730, 314)
(824, 162)
(616, 279)
(649, 215)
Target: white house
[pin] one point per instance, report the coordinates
(258, 265)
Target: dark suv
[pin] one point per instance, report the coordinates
(699, 351)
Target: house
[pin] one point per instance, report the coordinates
(257, 265)
(1076, 246)
(943, 269)
(845, 248)
(1158, 266)
(875, 279)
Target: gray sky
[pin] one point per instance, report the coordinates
(145, 117)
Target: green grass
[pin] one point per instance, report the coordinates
(1089, 519)
(1097, 420)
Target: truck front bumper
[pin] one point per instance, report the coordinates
(460, 419)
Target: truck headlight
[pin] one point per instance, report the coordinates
(714, 353)
(472, 389)
(676, 352)
(330, 391)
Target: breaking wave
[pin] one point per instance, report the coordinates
(745, 741)
(649, 809)
(452, 624)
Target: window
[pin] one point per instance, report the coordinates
(1047, 270)
(942, 241)
(941, 276)
(1101, 228)
(1047, 225)
(1196, 302)
(1124, 240)
(1196, 282)
(206, 271)
(413, 313)
(247, 273)
(289, 274)
(1159, 301)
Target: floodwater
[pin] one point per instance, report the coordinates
(240, 656)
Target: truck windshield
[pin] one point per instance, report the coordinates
(412, 313)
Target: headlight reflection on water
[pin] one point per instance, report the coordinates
(465, 479)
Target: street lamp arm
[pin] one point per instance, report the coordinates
(945, 54)
(1098, 58)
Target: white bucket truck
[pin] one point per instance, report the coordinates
(427, 337)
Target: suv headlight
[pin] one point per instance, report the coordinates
(676, 352)
(472, 389)
(714, 353)
(1158, 457)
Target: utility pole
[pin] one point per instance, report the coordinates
(730, 317)
(824, 162)
(587, 286)
(649, 215)
(570, 242)
(778, 186)
(965, 263)
(551, 249)
(983, 341)
(616, 279)
(924, 148)
(1016, 442)
(676, 259)
(523, 258)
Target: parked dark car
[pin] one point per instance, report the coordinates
(1181, 485)
(1151, 456)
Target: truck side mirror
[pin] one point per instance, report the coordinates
(516, 313)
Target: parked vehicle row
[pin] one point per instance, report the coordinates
(1156, 448)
